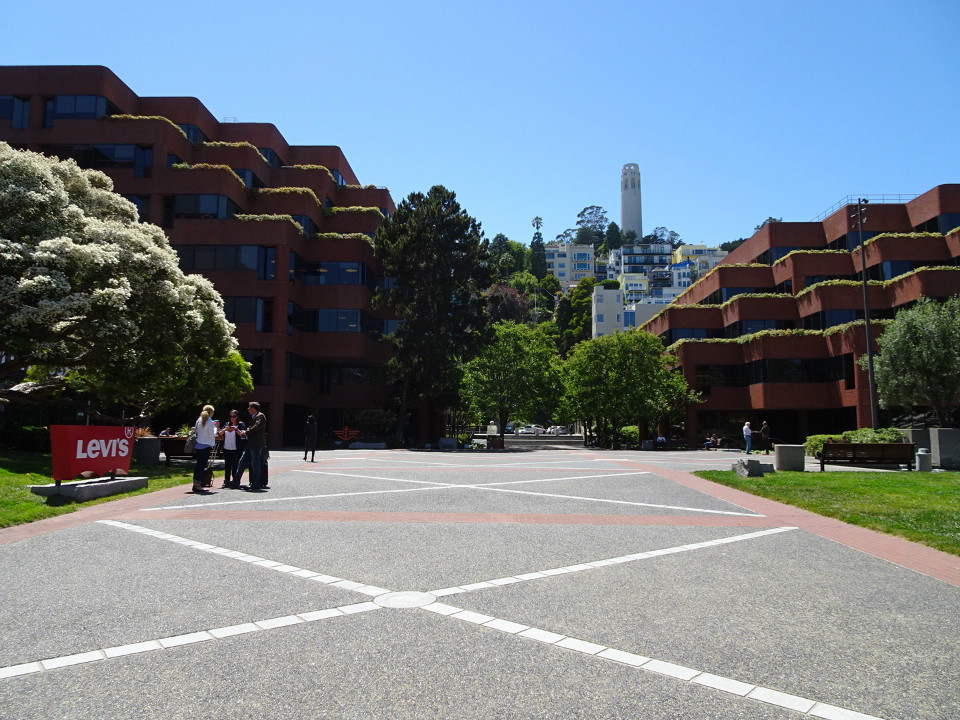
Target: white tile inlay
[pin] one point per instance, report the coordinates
(77, 659)
(775, 697)
(278, 622)
(177, 640)
(506, 626)
(722, 683)
(581, 646)
(472, 617)
(542, 635)
(832, 712)
(233, 630)
(132, 649)
(666, 668)
(626, 658)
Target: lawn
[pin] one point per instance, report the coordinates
(18, 469)
(919, 506)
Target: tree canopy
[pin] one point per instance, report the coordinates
(620, 379)
(664, 235)
(919, 360)
(440, 262)
(93, 303)
(516, 376)
(538, 252)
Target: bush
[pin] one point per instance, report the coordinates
(814, 443)
(630, 434)
(24, 437)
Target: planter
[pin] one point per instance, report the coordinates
(146, 451)
(945, 447)
(174, 447)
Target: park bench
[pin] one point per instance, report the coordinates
(868, 453)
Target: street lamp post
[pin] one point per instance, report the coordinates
(872, 389)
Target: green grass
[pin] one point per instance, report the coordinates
(919, 506)
(18, 469)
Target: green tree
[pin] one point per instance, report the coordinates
(504, 302)
(538, 253)
(613, 239)
(919, 360)
(621, 379)
(594, 219)
(766, 222)
(732, 245)
(439, 260)
(517, 375)
(580, 325)
(93, 302)
(664, 235)
(508, 255)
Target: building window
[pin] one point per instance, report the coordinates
(16, 110)
(599, 317)
(195, 258)
(139, 158)
(197, 207)
(270, 155)
(331, 273)
(298, 368)
(259, 365)
(193, 133)
(77, 107)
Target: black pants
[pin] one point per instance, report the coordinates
(202, 455)
(230, 460)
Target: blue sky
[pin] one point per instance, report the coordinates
(734, 111)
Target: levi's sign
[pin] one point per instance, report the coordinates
(90, 448)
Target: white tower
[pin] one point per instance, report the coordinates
(631, 209)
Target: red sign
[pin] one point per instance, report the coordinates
(89, 448)
(347, 434)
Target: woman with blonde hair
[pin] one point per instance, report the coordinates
(206, 430)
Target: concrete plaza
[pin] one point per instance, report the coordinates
(547, 583)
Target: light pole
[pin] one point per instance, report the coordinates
(872, 389)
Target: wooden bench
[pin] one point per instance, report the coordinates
(868, 453)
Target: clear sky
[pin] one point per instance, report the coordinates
(734, 111)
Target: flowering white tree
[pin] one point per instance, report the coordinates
(93, 302)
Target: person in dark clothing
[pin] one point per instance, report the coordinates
(233, 446)
(310, 438)
(256, 437)
(765, 437)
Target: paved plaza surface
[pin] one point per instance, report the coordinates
(543, 583)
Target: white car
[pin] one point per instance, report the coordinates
(530, 430)
(557, 430)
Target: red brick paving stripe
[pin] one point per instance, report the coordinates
(913, 556)
(433, 517)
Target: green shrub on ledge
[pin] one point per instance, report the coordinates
(208, 166)
(260, 218)
(356, 209)
(147, 117)
(313, 167)
(241, 143)
(291, 190)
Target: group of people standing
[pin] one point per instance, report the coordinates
(244, 445)
(763, 432)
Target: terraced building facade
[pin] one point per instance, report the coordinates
(283, 231)
(775, 332)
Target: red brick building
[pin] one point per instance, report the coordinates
(283, 231)
(766, 335)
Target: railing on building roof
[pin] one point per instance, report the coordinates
(852, 200)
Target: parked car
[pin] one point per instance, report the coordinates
(557, 430)
(530, 430)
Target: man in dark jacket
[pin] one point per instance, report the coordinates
(256, 437)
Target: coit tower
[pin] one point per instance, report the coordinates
(631, 211)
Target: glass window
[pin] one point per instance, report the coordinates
(259, 365)
(16, 110)
(77, 107)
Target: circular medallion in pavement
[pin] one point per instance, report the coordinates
(404, 600)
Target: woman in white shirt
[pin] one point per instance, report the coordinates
(206, 430)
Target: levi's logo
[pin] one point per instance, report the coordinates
(98, 448)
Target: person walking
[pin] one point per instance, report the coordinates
(310, 438)
(765, 437)
(206, 430)
(256, 437)
(233, 446)
(747, 435)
